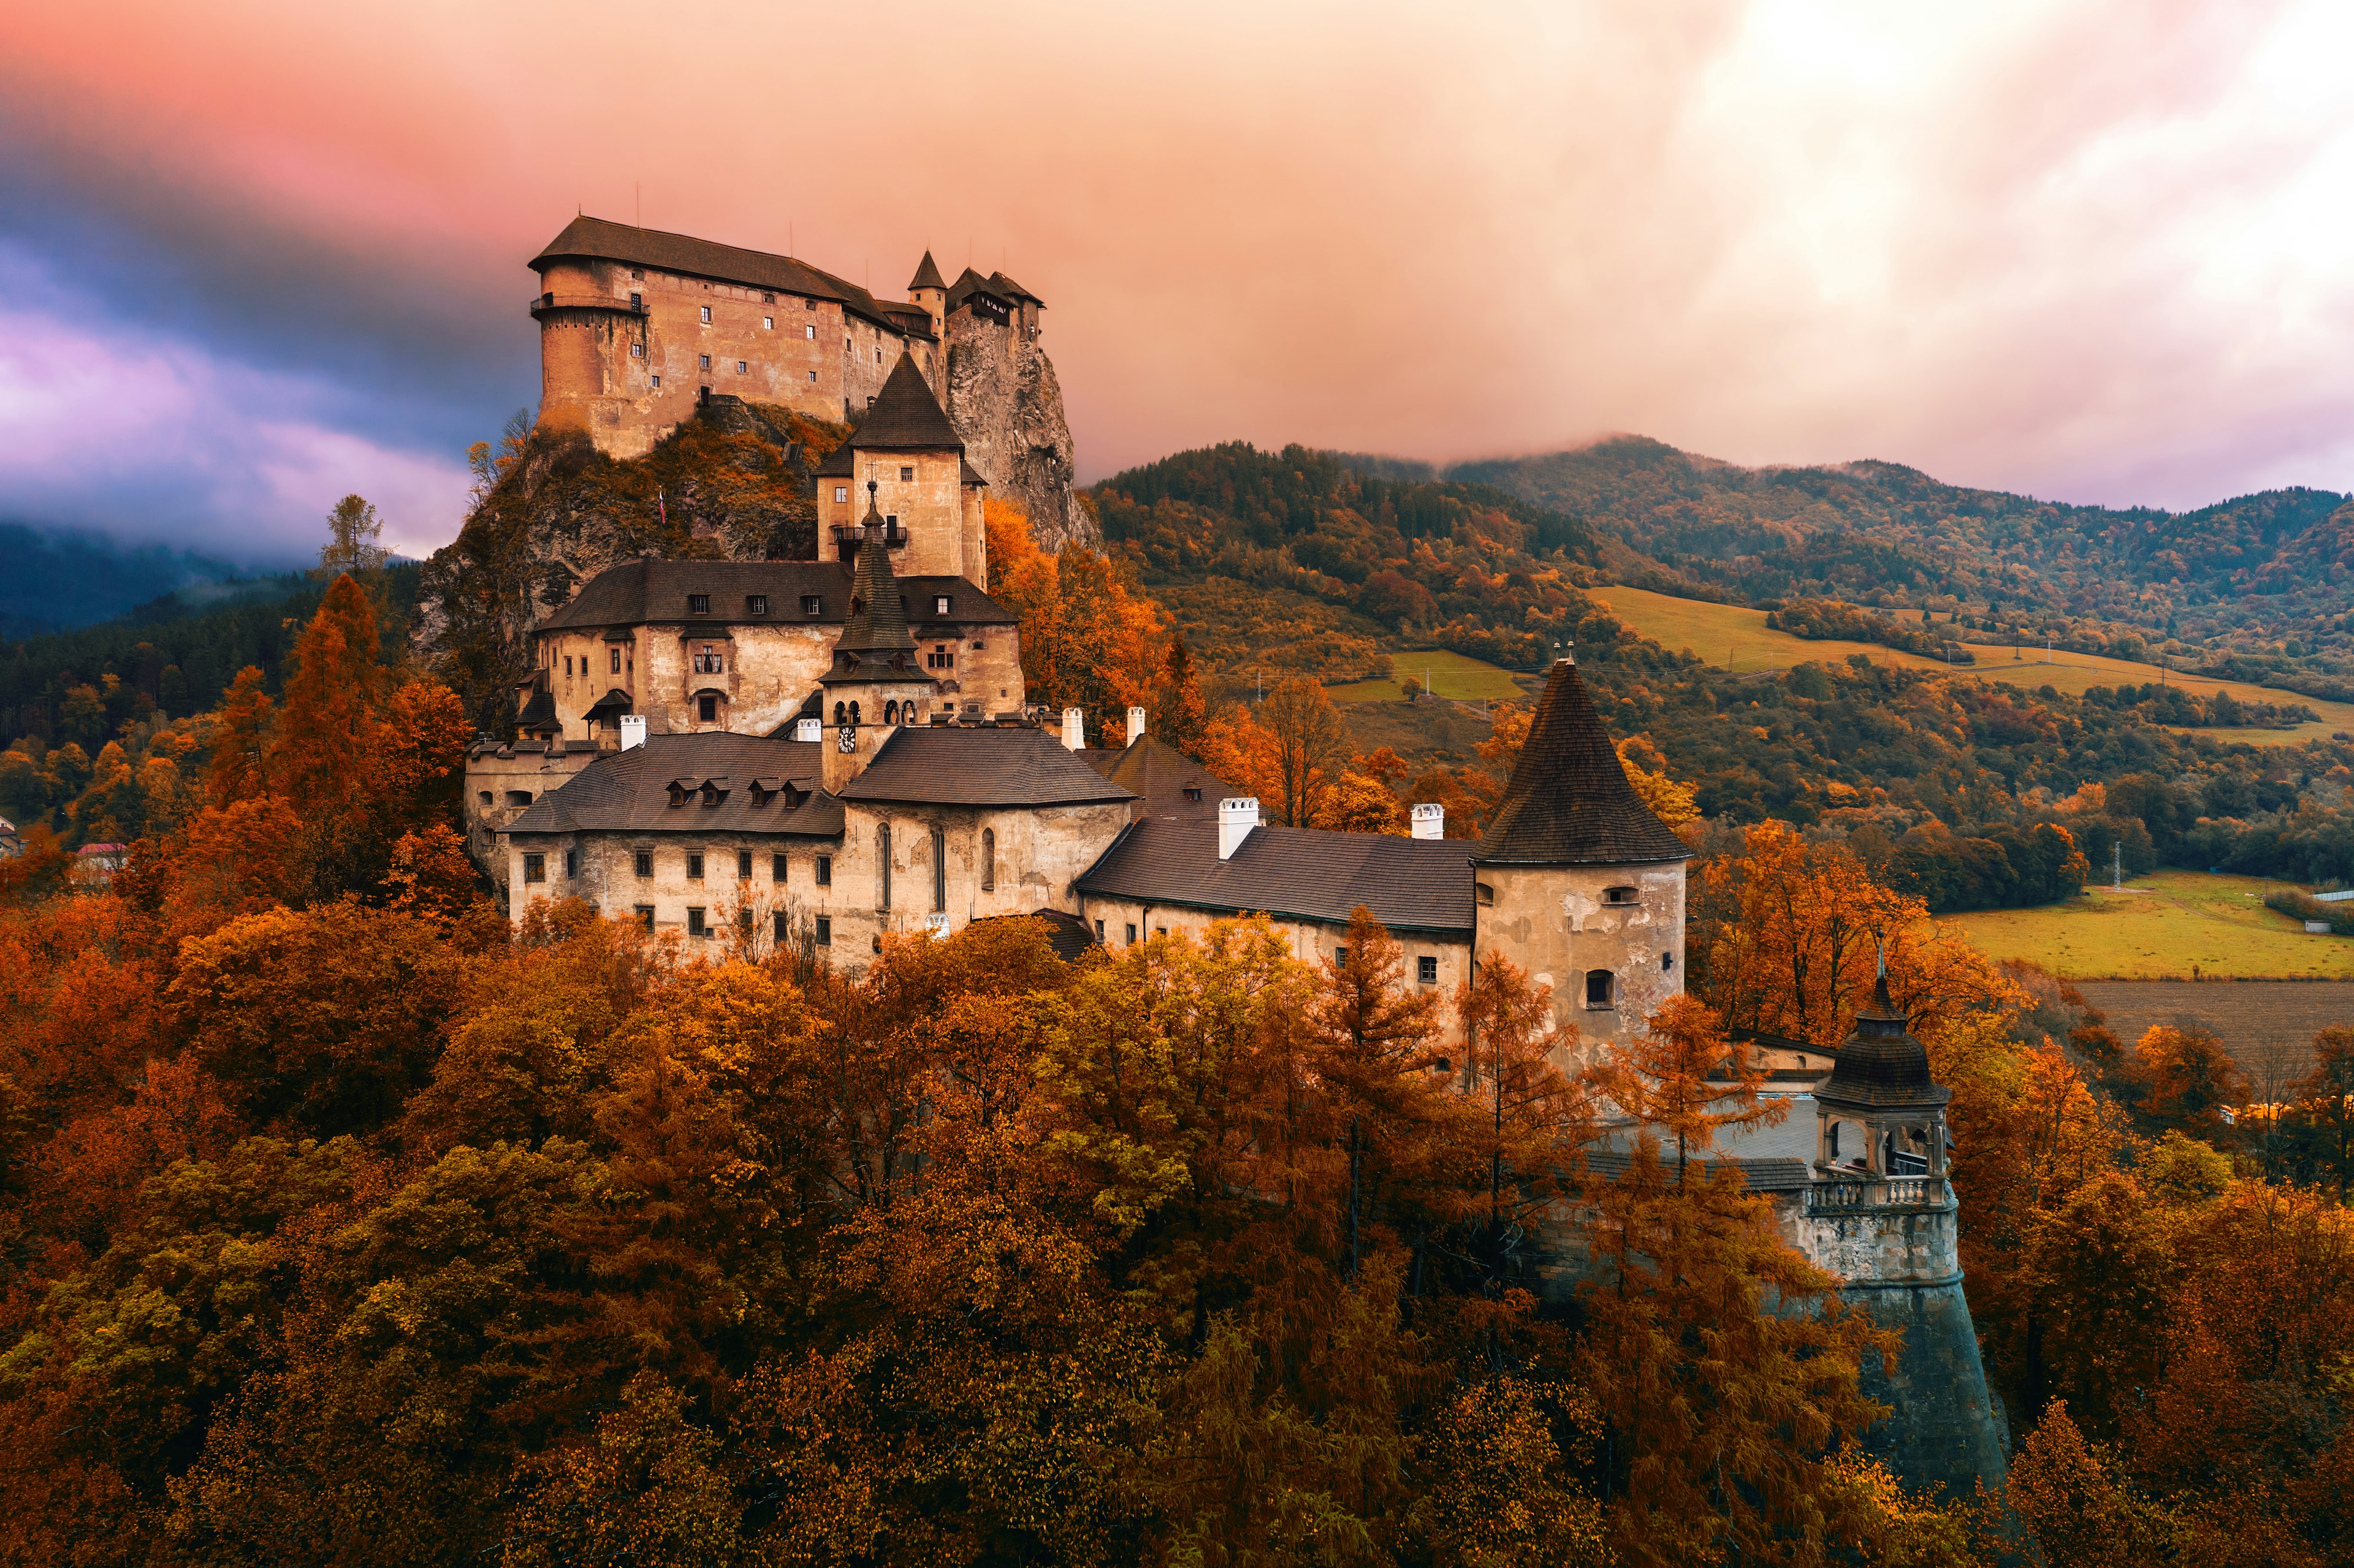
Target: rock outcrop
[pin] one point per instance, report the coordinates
(1005, 402)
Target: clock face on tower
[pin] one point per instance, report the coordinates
(846, 740)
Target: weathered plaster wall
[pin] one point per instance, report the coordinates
(1557, 921)
(1312, 941)
(494, 777)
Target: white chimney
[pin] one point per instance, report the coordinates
(1237, 818)
(809, 728)
(1135, 726)
(1429, 822)
(1074, 728)
(634, 731)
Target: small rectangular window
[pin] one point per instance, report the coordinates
(841, 493)
(1161, 930)
(943, 603)
(535, 868)
(784, 927)
(645, 862)
(707, 316)
(567, 666)
(1132, 934)
(657, 380)
(812, 604)
(694, 865)
(906, 473)
(824, 931)
(813, 378)
(614, 657)
(698, 604)
(645, 914)
(768, 323)
(1340, 957)
(1425, 970)
(706, 359)
(777, 869)
(756, 604)
(744, 921)
(695, 926)
(1098, 930)
(571, 863)
(743, 865)
(825, 871)
(739, 367)
(811, 331)
(637, 351)
(707, 708)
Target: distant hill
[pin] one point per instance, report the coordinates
(2260, 587)
(1312, 561)
(53, 581)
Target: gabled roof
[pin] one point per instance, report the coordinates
(643, 592)
(1569, 802)
(959, 765)
(629, 791)
(1007, 288)
(1410, 884)
(927, 276)
(906, 416)
(969, 283)
(1160, 775)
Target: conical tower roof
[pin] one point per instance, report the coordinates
(879, 622)
(927, 276)
(1881, 1065)
(906, 416)
(1569, 802)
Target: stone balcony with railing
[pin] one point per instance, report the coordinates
(1839, 1192)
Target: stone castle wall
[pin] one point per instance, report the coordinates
(1558, 923)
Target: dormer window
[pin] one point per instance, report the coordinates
(698, 604)
(812, 604)
(1193, 791)
(756, 604)
(941, 604)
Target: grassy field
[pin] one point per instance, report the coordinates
(1454, 676)
(2171, 924)
(1735, 638)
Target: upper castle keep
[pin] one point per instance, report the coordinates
(638, 327)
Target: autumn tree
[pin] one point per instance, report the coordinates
(2329, 1089)
(1683, 1075)
(352, 530)
(1536, 1117)
(2187, 1080)
(1310, 746)
(1178, 716)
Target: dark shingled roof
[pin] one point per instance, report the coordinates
(1159, 774)
(636, 593)
(1569, 802)
(1881, 1065)
(1410, 884)
(596, 239)
(1001, 285)
(878, 616)
(927, 276)
(969, 283)
(969, 475)
(955, 765)
(1069, 936)
(907, 417)
(839, 464)
(629, 791)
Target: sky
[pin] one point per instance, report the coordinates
(256, 255)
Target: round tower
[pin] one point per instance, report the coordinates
(928, 290)
(1879, 1213)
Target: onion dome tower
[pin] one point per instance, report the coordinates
(1879, 1213)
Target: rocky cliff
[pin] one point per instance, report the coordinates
(1005, 402)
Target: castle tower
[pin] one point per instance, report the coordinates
(908, 454)
(876, 684)
(1577, 880)
(928, 290)
(1879, 1213)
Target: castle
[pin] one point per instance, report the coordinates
(825, 752)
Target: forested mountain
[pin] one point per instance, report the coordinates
(2259, 587)
(52, 581)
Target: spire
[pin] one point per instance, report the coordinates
(1569, 802)
(906, 416)
(878, 622)
(927, 276)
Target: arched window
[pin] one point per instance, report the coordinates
(891, 712)
(854, 712)
(989, 859)
(883, 858)
(839, 711)
(1601, 987)
(940, 869)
